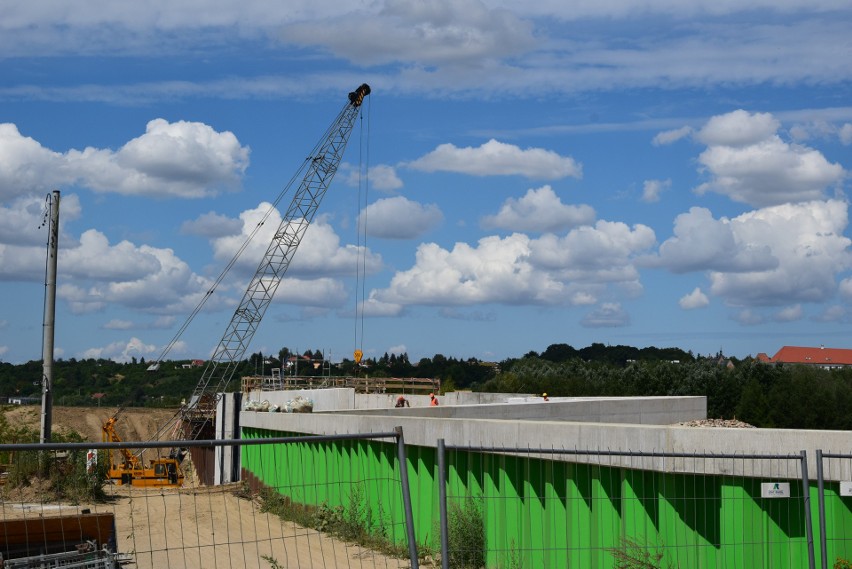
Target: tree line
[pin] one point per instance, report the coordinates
(764, 395)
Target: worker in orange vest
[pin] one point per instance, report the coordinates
(433, 401)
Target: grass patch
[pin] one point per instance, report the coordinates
(355, 523)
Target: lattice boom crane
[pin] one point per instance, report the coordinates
(320, 170)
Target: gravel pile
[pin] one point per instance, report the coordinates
(729, 423)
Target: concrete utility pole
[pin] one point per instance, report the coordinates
(49, 318)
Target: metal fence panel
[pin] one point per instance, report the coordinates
(553, 508)
(834, 479)
(311, 502)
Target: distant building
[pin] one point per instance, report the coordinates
(826, 358)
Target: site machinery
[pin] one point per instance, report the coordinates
(319, 169)
(130, 470)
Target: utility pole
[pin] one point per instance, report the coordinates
(49, 318)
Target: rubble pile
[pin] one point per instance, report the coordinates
(727, 423)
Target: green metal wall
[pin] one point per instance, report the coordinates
(541, 513)
(334, 474)
(838, 523)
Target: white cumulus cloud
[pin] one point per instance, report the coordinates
(320, 292)
(121, 351)
(320, 253)
(384, 178)
(701, 242)
(180, 159)
(517, 270)
(651, 189)
(809, 243)
(211, 224)
(539, 210)
(773, 256)
(399, 218)
(496, 158)
(748, 161)
(695, 299)
(22, 221)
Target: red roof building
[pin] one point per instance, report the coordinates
(829, 358)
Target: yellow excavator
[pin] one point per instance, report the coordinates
(130, 470)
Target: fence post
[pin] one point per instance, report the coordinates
(406, 498)
(823, 540)
(809, 529)
(442, 504)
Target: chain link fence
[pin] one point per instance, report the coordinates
(307, 502)
(344, 501)
(561, 508)
(834, 483)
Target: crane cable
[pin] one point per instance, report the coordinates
(361, 230)
(272, 208)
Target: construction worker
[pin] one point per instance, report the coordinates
(544, 396)
(402, 402)
(433, 401)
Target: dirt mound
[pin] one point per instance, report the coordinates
(134, 424)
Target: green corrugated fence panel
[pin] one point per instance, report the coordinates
(342, 473)
(543, 514)
(606, 515)
(639, 507)
(838, 520)
(578, 505)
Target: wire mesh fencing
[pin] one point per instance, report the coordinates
(566, 508)
(834, 483)
(309, 503)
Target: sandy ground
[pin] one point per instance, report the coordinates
(134, 424)
(209, 527)
(194, 526)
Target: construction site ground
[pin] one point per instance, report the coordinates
(194, 526)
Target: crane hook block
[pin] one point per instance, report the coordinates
(356, 97)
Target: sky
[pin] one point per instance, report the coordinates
(669, 173)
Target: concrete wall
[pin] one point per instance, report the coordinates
(226, 461)
(425, 431)
(324, 399)
(634, 410)
(337, 399)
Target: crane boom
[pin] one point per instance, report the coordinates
(321, 168)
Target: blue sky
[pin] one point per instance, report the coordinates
(664, 173)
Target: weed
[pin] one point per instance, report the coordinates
(634, 555)
(466, 529)
(353, 523)
(842, 564)
(272, 561)
(60, 475)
